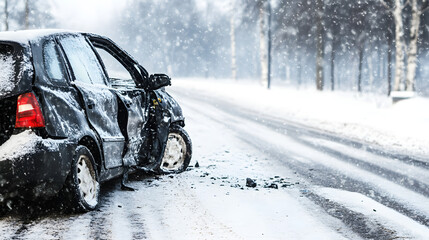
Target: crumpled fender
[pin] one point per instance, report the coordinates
(166, 111)
(168, 103)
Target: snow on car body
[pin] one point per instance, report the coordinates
(67, 125)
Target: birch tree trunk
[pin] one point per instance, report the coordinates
(233, 51)
(399, 45)
(359, 82)
(333, 43)
(412, 48)
(27, 15)
(6, 16)
(370, 70)
(263, 50)
(389, 64)
(299, 69)
(319, 46)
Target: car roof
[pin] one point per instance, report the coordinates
(24, 37)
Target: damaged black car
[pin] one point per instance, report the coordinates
(78, 111)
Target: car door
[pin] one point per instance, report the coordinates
(121, 71)
(100, 104)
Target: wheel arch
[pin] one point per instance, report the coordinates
(94, 148)
(179, 123)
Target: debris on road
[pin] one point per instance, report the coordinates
(250, 183)
(272, 185)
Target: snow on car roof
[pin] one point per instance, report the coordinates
(25, 36)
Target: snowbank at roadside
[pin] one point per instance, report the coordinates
(366, 117)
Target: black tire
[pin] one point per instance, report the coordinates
(82, 189)
(178, 141)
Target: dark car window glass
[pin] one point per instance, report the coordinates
(53, 65)
(118, 74)
(83, 61)
(7, 68)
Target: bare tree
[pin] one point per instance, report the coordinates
(256, 12)
(263, 48)
(269, 44)
(361, 49)
(27, 15)
(233, 48)
(389, 60)
(396, 10)
(417, 9)
(320, 52)
(6, 16)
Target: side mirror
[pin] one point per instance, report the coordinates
(157, 81)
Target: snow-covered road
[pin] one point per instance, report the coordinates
(310, 185)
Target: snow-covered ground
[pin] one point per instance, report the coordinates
(367, 117)
(308, 185)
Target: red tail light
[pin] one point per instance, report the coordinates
(28, 112)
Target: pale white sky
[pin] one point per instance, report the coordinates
(98, 15)
(221, 5)
(87, 15)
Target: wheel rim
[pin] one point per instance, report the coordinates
(88, 185)
(174, 154)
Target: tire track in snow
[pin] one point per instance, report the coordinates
(401, 179)
(100, 220)
(358, 222)
(134, 217)
(381, 232)
(296, 133)
(116, 218)
(324, 176)
(137, 223)
(297, 128)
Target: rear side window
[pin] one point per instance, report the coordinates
(7, 68)
(83, 61)
(53, 66)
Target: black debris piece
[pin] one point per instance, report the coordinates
(272, 185)
(286, 185)
(250, 183)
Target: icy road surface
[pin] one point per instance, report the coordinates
(310, 185)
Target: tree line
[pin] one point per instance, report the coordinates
(338, 31)
(365, 45)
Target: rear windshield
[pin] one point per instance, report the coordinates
(7, 68)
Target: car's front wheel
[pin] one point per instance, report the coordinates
(82, 186)
(178, 151)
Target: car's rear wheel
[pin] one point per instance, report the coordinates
(177, 152)
(82, 186)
